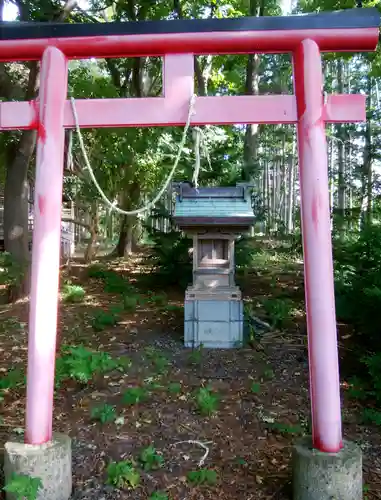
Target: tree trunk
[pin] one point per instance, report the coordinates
(340, 129)
(366, 190)
(127, 243)
(91, 249)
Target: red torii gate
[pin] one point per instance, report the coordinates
(305, 37)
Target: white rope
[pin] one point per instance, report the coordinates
(153, 202)
(200, 140)
(197, 138)
(199, 443)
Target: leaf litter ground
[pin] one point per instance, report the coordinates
(262, 394)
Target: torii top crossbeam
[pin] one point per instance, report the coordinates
(350, 30)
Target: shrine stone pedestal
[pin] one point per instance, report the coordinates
(214, 320)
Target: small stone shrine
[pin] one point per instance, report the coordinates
(214, 218)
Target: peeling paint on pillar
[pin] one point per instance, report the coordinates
(317, 248)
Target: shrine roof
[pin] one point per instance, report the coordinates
(209, 206)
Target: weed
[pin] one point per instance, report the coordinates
(123, 474)
(206, 401)
(97, 271)
(135, 395)
(149, 459)
(12, 379)
(159, 300)
(105, 413)
(202, 476)
(159, 495)
(255, 388)
(268, 374)
(357, 390)
(158, 360)
(285, 428)
(173, 308)
(73, 293)
(104, 319)
(195, 357)
(278, 310)
(371, 416)
(174, 388)
(130, 302)
(82, 364)
(23, 487)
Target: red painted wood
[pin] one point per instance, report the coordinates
(158, 111)
(237, 42)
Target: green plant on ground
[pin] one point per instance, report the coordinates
(279, 310)
(206, 401)
(130, 302)
(285, 428)
(97, 271)
(371, 416)
(149, 459)
(14, 378)
(12, 272)
(202, 476)
(105, 413)
(196, 355)
(82, 364)
(170, 257)
(104, 319)
(73, 293)
(255, 387)
(159, 362)
(174, 388)
(159, 300)
(135, 395)
(159, 495)
(123, 474)
(23, 487)
(268, 374)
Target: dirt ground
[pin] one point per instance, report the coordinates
(262, 394)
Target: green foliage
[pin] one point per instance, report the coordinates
(105, 413)
(170, 256)
(174, 388)
(12, 272)
(196, 355)
(123, 474)
(202, 476)
(150, 459)
(159, 362)
(130, 303)
(206, 401)
(104, 319)
(358, 283)
(279, 310)
(82, 364)
(73, 293)
(24, 487)
(371, 416)
(255, 387)
(135, 395)
(159, 495)
(12, 379)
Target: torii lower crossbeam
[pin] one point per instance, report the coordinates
(305, 37)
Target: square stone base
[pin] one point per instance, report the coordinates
(214, 323)
(51, 462)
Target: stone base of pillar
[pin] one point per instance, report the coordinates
(324, 476)
(51, 462)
